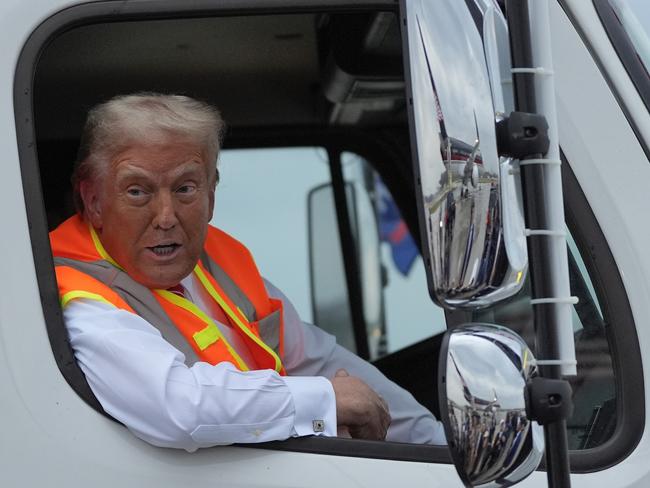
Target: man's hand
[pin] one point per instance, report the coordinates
(359, 409)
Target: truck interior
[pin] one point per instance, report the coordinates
(332, 78)
(276, 79)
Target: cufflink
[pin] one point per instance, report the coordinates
(318, 425)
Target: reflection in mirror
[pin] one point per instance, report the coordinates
(475, 259)
(483, 371)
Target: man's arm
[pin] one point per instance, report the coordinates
(310, 351)
(142, 381)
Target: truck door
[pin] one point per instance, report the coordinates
(314, 93)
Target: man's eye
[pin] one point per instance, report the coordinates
(186, 189)
(135, 192)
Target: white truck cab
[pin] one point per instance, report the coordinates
(362, 168)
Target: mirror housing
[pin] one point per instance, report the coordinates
(469, 200)
(484, 374)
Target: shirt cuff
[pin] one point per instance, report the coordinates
(314, 403)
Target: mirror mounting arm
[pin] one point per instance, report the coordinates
(522, 134)
(548, 400)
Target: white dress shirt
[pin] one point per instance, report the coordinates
(142, 381)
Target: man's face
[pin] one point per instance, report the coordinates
(151, 209)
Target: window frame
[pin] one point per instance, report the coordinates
(356, 141)
(624, 340)
(621, 335)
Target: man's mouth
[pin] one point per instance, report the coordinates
(164, 250)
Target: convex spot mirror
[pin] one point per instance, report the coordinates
(469, 200)
(483, 373)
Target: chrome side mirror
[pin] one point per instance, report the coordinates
(469, 203)
(483, 375)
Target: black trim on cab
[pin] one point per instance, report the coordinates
(625, 49)
(108, 11)
(621, 332)
(364, 449)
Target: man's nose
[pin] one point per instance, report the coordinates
(165, 211)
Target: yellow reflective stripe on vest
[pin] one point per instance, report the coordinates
(210, 334)
(241, 322)
(100, 248)
(74, 294)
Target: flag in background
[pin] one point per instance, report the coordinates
(393, 230)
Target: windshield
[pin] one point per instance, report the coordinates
(634, 16)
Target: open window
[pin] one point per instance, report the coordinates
(312, 95)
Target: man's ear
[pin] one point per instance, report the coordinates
(212, 186)
(92, 204)
(211, 201)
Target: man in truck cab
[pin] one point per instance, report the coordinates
(179, 336)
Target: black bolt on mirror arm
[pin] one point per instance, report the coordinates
(548, 400)
(522, 134)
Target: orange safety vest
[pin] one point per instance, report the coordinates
(227, 272)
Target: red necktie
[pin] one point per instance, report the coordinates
(177, 290)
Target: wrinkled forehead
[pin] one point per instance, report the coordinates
(130, 134)
(162, 151)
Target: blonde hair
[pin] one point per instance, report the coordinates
(142, 118)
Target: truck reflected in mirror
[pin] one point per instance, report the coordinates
(483, 373)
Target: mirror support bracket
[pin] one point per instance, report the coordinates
(548, 400)
(522, 134)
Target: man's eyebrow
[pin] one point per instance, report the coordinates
(183, 171)
(187, 169)
(133, 172)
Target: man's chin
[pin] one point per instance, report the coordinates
(159, 280)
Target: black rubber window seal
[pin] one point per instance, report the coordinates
(625, 49)
(621, 334)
